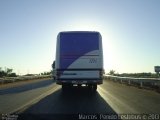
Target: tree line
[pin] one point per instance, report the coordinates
(8, 72)
(46, 73)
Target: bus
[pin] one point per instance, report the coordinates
(79, 59)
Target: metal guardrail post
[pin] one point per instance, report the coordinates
(129, 82)
(141, 84)
(2, 81)
(121, 80)
(13, 80)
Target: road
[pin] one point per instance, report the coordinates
(45, 99)
(17, 97)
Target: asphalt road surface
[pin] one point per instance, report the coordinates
(46, 100)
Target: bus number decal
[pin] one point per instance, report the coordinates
(93, 60)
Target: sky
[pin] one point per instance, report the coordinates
(130, 32)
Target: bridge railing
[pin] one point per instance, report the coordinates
(141, 82)
(21, 78)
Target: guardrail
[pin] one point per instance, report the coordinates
(21, 78)
(141, 82)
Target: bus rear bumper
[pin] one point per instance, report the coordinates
(76, 82)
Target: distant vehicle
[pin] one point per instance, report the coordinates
(53, 71)
(79, 59)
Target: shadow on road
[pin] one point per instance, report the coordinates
(26, 87)
(77, 103)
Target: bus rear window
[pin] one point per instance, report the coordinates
(78, 44)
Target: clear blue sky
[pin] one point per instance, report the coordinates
(130, 30)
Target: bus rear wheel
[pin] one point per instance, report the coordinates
(92, 87)
(66, 87)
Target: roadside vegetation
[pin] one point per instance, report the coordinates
(135, 75)
(7, 73)
(46, 73)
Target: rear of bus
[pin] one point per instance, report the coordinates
(79, 59)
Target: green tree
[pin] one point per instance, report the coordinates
(2, 73)
(12, 75)
(112, 72)
(9, 71)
